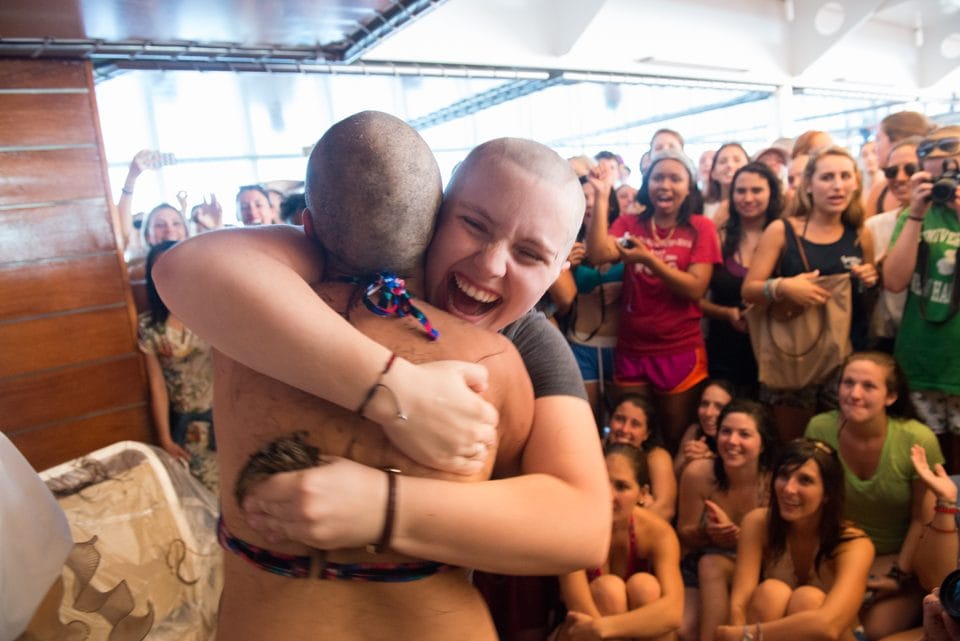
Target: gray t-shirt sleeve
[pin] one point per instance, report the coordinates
(547, 356)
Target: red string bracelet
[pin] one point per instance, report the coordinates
(378, 384)
(943, 509)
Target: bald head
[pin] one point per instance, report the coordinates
(373, 189)
(536, 160)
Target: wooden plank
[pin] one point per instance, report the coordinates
(45, 119)
(46, 176)
(34, 289)
(60, 395)
(56, 231)
(61, 442)
(42, 74)
(71, 339)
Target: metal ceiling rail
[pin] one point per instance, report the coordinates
(752, 96)
(384, 24)
(478, 102)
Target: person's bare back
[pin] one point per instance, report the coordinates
(254, 410)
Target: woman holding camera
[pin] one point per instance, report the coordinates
(669, 253)
(923, 255)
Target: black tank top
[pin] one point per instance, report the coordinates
(832, 258)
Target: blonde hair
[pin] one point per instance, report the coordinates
(853, 215)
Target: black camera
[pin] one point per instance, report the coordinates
(945, 187)
(950, 595)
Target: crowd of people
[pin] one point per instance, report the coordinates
(757, 490)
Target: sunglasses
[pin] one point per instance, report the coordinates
(948, 146)
(892, 171)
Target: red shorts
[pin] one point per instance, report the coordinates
(668, 374)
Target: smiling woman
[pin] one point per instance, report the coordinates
(669, 261)
(873, 431)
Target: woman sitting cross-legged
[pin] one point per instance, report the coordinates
(715, 494)
(638, 593)
(801, 569)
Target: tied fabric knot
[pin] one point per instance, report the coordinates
(385, 294)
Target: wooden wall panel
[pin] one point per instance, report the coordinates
(43, 74)
(45, 119)
(54, 341)
(71, 378)
(39, 176)
(100, 283)
(60, 395)
(56, 231)
(59, 442)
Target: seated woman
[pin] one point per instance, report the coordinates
(633, 423)
(714, 497)
(180, 374)
(873, 432)
(700, 439)
(638, 591)
(801, 569)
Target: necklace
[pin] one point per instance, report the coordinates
(658, 242)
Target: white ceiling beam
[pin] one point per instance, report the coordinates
(565, 22)
(818, 25)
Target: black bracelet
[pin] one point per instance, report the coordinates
(128, 192)
(390, 513)
(919, 219)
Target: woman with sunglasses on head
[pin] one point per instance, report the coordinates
(801, 568)
(873, 433)
(824, 236)
(923, 256)
(897, 169)
(715, 495)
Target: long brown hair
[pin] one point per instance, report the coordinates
(853, 215)
(832, 526)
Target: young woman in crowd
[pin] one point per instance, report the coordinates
(729, 158)
(700, 439)
(923, 258)
(898, 167)
(873, 432)
(180, 374)
(638, 592)
(254, 208)
(587, 297)
(754, 204)
(714, 497)
(669, 254)
(828, 224)
(632, 422)
(891, 130)
(801, 569)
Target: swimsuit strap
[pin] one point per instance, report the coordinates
(316, 565)
(385, 294)
(632, 549)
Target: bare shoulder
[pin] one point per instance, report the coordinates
(699, 473)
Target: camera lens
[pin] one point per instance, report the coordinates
(950, 595)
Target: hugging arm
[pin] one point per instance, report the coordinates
(552, 519)
(247, 292)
